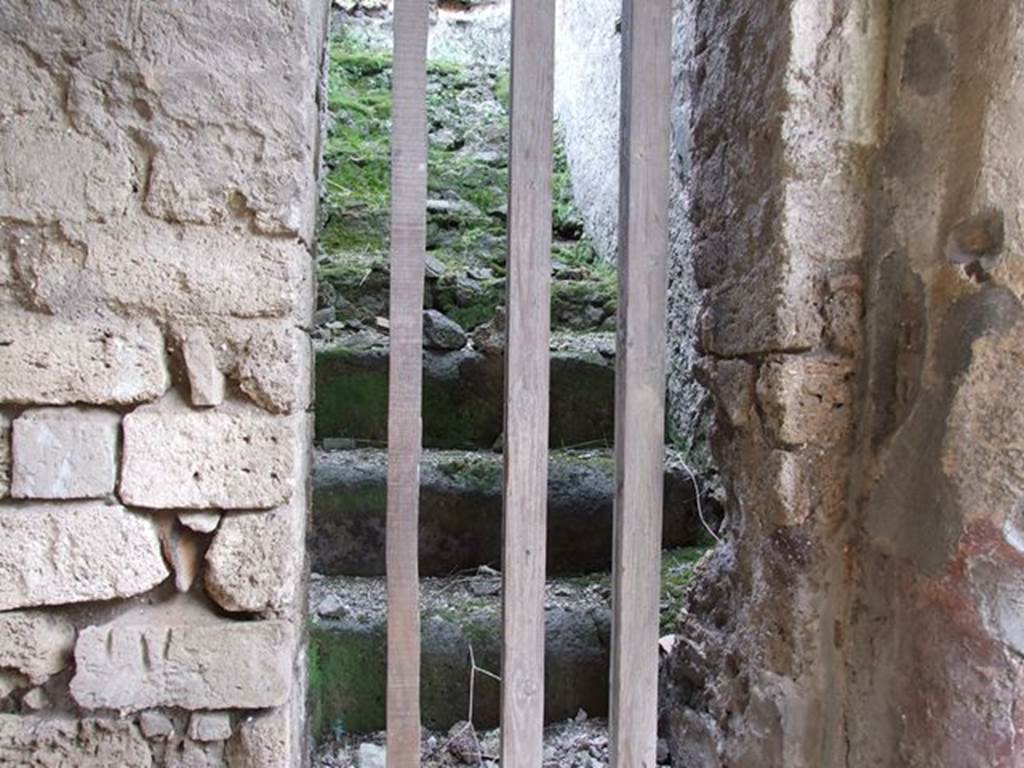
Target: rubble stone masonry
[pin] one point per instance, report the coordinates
(158, 190)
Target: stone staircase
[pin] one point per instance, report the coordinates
(463, 411)
(460, 532)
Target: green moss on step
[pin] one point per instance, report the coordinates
(347, 681)
(351, 399)
(481, 474)
(467, 180)
(462, 406)
(677, 572)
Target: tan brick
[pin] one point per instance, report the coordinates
(183, 550)
(52, 554)
(181, 656)
(206, 382)
(263, 741)
(234, 457)
(209, 726)
(256, 560)
(51, 360)
(57, 170)
(200, 522)
(65, 453)
(156, 725)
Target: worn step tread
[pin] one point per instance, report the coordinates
(463, 392)
(461, 510)
(348, 640)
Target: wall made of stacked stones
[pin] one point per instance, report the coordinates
(159, 184)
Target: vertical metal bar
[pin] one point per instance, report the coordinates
(640, 378)
(527, 375)
(405, 430)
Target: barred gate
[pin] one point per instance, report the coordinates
(639, 413)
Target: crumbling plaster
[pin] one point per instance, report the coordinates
(857, 216)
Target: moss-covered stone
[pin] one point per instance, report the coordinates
(347, 676)
(677, 571)
(348, 671)
(463, 397)
(467, 185)
(351, 394)
(347, 680)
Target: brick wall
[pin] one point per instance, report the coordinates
(159, 165)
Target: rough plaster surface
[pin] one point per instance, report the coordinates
(587, 106)
(159, 166)
(857, 223)
(767, 248)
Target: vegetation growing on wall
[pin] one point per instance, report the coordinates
(467, 188)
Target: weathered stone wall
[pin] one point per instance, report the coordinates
(857, 213)
(159, 166)
(588, 71)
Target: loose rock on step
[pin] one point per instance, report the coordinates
(441, 332)
(372, 756)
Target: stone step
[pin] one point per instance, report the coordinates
(461, 511)
(463, 393)
(348, 631)
(348, 651)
